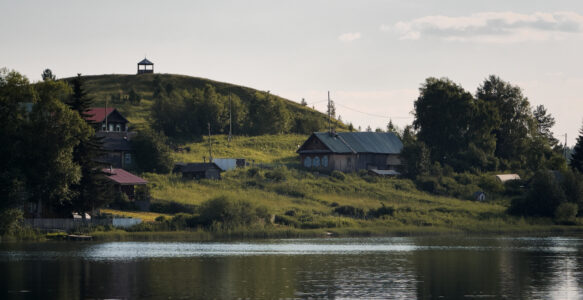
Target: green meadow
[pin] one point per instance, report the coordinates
(305, 203)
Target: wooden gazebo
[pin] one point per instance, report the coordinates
(145, 66)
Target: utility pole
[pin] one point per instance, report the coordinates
(329, 115)
(230, 120)
(106, 128)
(565, 148)
(210, 144)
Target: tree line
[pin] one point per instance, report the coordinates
(495, 129)
(181, 113)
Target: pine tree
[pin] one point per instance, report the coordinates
(90, 192)
(577, 157)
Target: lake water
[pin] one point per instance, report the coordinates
(333, 268)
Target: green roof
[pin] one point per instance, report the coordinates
(360, 142)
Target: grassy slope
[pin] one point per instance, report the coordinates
(101, 87)
(309, 195)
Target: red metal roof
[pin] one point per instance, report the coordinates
(123, 177)
(97, 114)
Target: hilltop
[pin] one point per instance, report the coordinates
(117, 91)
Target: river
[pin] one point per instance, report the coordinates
(452, 267)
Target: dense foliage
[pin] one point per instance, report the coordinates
(184, 113)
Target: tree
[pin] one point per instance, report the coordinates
(577, 156)
(51, 134)
(392, 128)
(443, 114)
(48, 75)
(91, 191)
(16, 95)
(516, 121)
(152, 151)
(544, 123)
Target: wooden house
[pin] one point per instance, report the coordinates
(110, 119)
(351, 151)
(112, 127)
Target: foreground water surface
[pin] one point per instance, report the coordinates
(385, 268)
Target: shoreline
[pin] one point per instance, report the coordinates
(199, 235)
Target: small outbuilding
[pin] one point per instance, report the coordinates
(124, 181)
(507, 177)
(198, 170)
(480, 196)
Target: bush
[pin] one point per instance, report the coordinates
(350, 211)
(152, 152)
(171, 207)
(566, 213)
(10, 221)
(230, 213)
(277, 174)
(338, 175)
(381, 211)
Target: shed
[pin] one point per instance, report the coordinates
(199, 170)
(507, 177)
(124, 181)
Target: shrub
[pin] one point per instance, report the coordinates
(285, 220)
(171, 207)
(277, 174)
(349, 211)
(10, 221)
(566, 213)
(152, 151)
(381, 211)
(230, 213)
(338, 175)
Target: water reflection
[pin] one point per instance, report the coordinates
(383, 268)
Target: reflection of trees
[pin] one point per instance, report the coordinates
(456, 273)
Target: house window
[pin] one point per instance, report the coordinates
(316, 162)
(325, 161)
(103, 127)
(111, 127)
(307, 162)
(117, 127)
(128, 158)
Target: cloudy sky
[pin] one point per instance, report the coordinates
(371, 55)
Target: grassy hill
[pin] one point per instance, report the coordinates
(103, 87)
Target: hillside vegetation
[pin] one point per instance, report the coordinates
(159, 99)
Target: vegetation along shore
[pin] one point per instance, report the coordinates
(446, 182)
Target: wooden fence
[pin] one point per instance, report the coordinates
(71, 224)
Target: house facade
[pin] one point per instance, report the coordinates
(108, 119)
(112, 127)
(351, 151)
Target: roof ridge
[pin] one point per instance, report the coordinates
(345, 143)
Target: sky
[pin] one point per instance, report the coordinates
(371, 55)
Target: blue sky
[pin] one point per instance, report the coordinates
(371, 55)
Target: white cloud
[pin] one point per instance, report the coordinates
(349, 37)
(492, 27)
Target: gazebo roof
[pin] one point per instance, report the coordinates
(145, 61)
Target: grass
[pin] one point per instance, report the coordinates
(305, 200)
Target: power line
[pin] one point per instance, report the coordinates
(363, 112)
